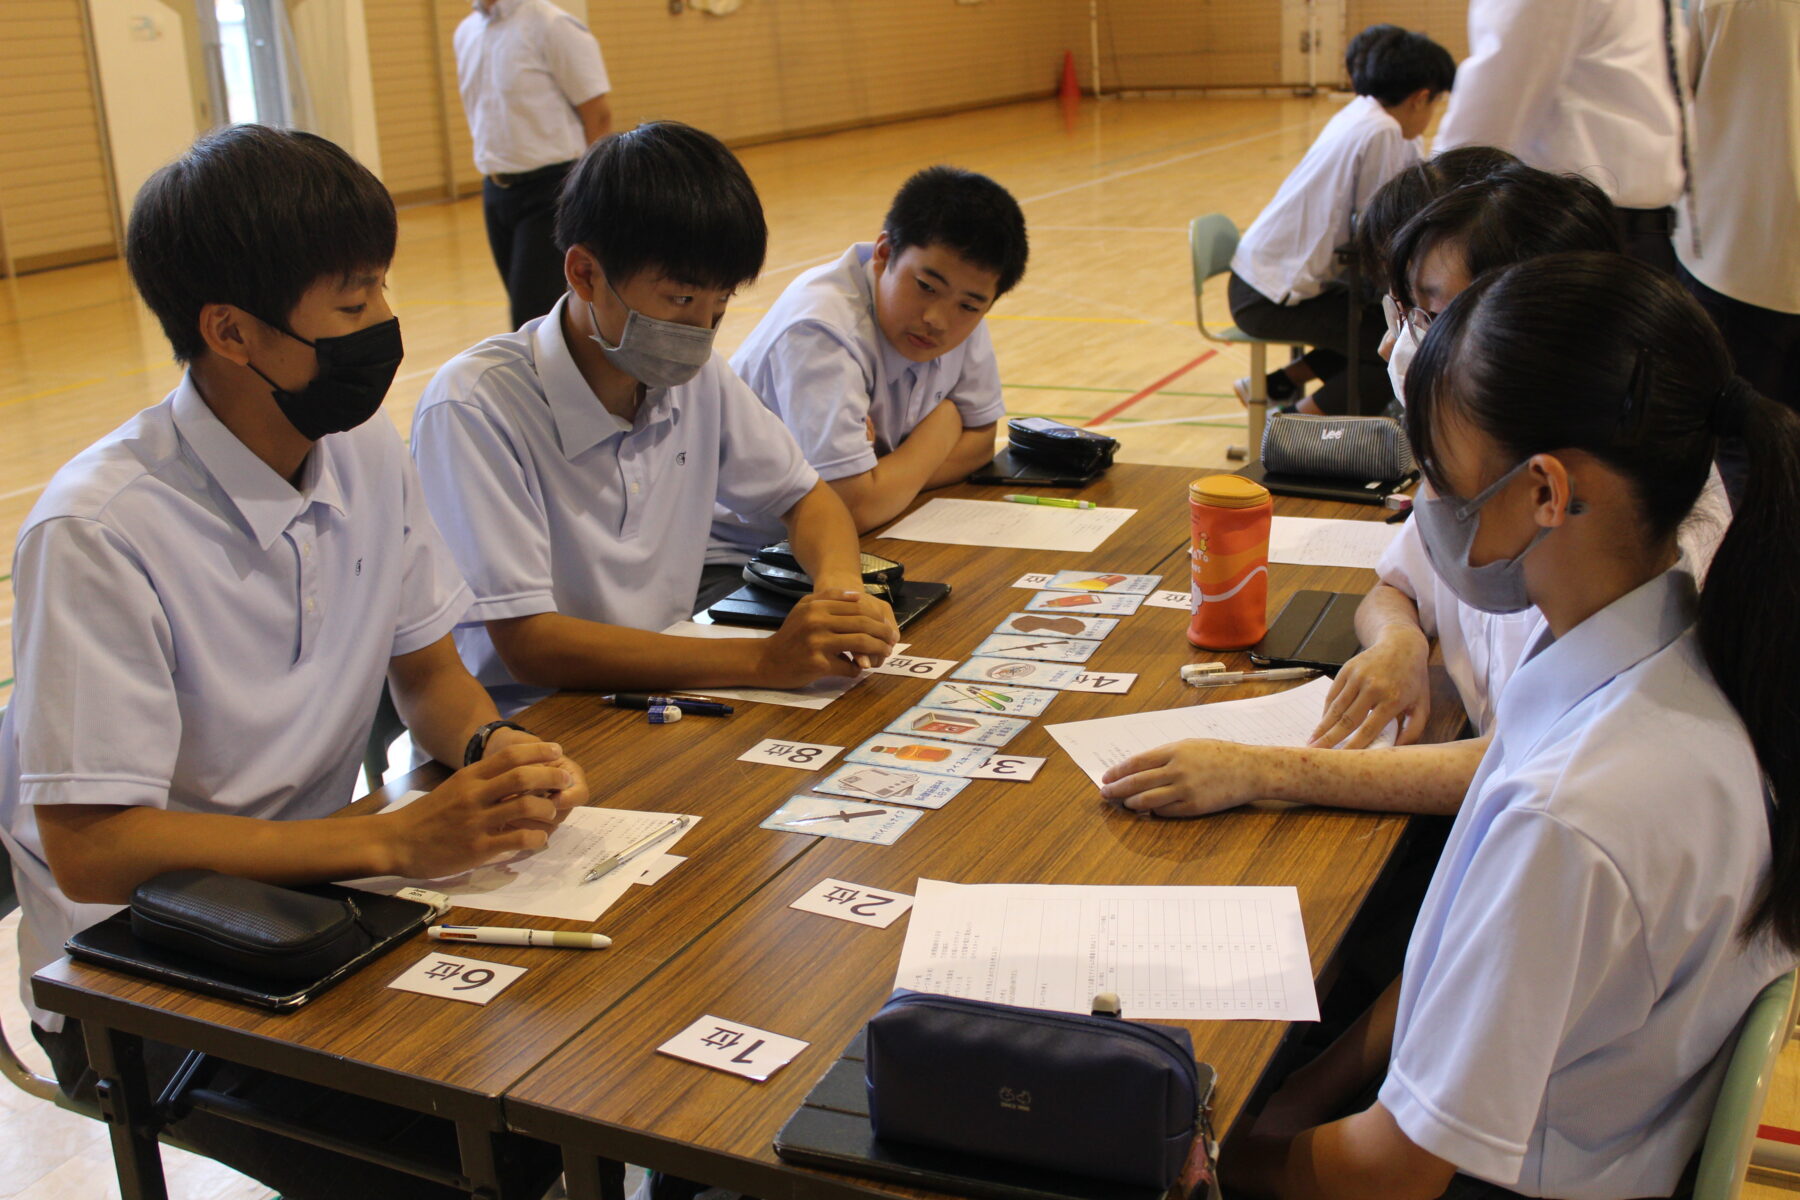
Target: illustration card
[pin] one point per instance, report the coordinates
(959, 725)
(1011, 701)
(1018, 671)
(1103, 581)
(890, 786)
(1058, 625)
(1042, 647)
(912, 753)
(1085, 603)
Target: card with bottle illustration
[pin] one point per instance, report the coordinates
(1041, 647)
(909, 753)
(1020, 671)
(889, 786)
(1046, 624)
(1084, 603)
(1011, 701)
(956, 725)
(1103, 581)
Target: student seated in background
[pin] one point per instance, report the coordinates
(880, 363)
(208, 600)
(1285, 281)
(1623, 877)
(574, 465)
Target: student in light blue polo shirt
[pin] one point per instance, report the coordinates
(208, 600)
(574, 465)
(880, 363)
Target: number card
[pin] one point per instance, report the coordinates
(822, 816)
(1059, 625)
(896, 787)
(1016, 670)
(854, 902)
(1101, 581)
(1084, 603)
(959, 725)
(733, 1046)
(466, 979)
(1037, 646)
(1035, 581)
(912, 753)
(1098, 681)
(1009, 766)
(779, 752)
(1013, 701)
(914, 668)
(1170, 600)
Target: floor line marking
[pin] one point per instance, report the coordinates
(1776, 1133)
(1210, 420)
(1171, 377)
(1167, 162)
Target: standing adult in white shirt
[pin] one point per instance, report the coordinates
(534, 88)
(1580, 85)
(1739, 239)
(1285, 281)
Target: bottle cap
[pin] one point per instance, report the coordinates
(1227, 491)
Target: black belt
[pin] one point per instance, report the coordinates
(506, 181)
(1647, 222)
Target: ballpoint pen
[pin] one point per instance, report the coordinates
(613, 861)
(843, 814)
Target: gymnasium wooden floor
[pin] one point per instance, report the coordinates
(1101, 331)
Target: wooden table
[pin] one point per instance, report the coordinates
(569, 1045)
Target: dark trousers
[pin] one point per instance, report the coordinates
(1765, 348)
(294, 1169)
(1322, 323)
(521, 229)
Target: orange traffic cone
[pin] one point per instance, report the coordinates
(1071, 87)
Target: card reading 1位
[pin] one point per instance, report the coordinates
(733, 1046)
(889, 786)
(1059, 625)
(959, 725)
(1084, 603)
(1012, 701)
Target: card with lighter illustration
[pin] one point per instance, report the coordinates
(1058, 625)
(890, 786)
(1084, 603)
(959, 725)
(1103, 581)
(910, 753)
(1013, 701)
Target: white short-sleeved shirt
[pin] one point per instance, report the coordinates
(1289, 252)
(192, 633)
(820, 362)
(522, 68)
(552, 504)
(1482, 650)
(1573, 85)
(1575, 973)
(1737, 229)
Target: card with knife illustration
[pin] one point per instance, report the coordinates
(1040, 646)
(825, 817)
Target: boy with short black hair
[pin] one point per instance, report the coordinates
(574, 465)
(209, 598)
(1285, 282)
(879, 363)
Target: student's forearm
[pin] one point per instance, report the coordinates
(556, 651)
(1408, 779)
(883, 492)
(1386, 611)
(974, 449)
(823, 538)
(596, 118)
(439, 702)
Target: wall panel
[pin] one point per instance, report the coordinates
(1446, 21)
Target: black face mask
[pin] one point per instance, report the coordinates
(355, 371)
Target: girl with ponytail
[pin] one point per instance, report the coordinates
(1624, 873)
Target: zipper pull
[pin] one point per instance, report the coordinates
(1107, 1004)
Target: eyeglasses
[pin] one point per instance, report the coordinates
(1392, 313)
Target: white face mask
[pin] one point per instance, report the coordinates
(1400, 353)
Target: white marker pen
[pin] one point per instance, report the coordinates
(487, 935)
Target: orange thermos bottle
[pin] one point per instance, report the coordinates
(1230, 557)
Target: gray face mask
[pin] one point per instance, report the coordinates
(658, 354)
(1447, 527)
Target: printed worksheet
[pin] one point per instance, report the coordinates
(1014, 526)
(816, 694)
(1284, 719)
(550, 882)
(1319, 542)
(1171, 953)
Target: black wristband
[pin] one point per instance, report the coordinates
(478, 743)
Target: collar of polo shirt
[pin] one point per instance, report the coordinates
(895, 365)
(500, 10)
(582, 422)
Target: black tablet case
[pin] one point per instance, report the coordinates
(1314, 629)
(111, 943)
(1027, 472)
(1312, 487)
(831, 1129)
(752, 605)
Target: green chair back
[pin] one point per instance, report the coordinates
(1212, 239)
(1725, 1153)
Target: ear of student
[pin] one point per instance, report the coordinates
(222, 330)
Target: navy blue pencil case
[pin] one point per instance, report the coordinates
(1091, 1095)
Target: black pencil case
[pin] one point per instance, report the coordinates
(1041, 440)
(1091, 1095)
(257, 928)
